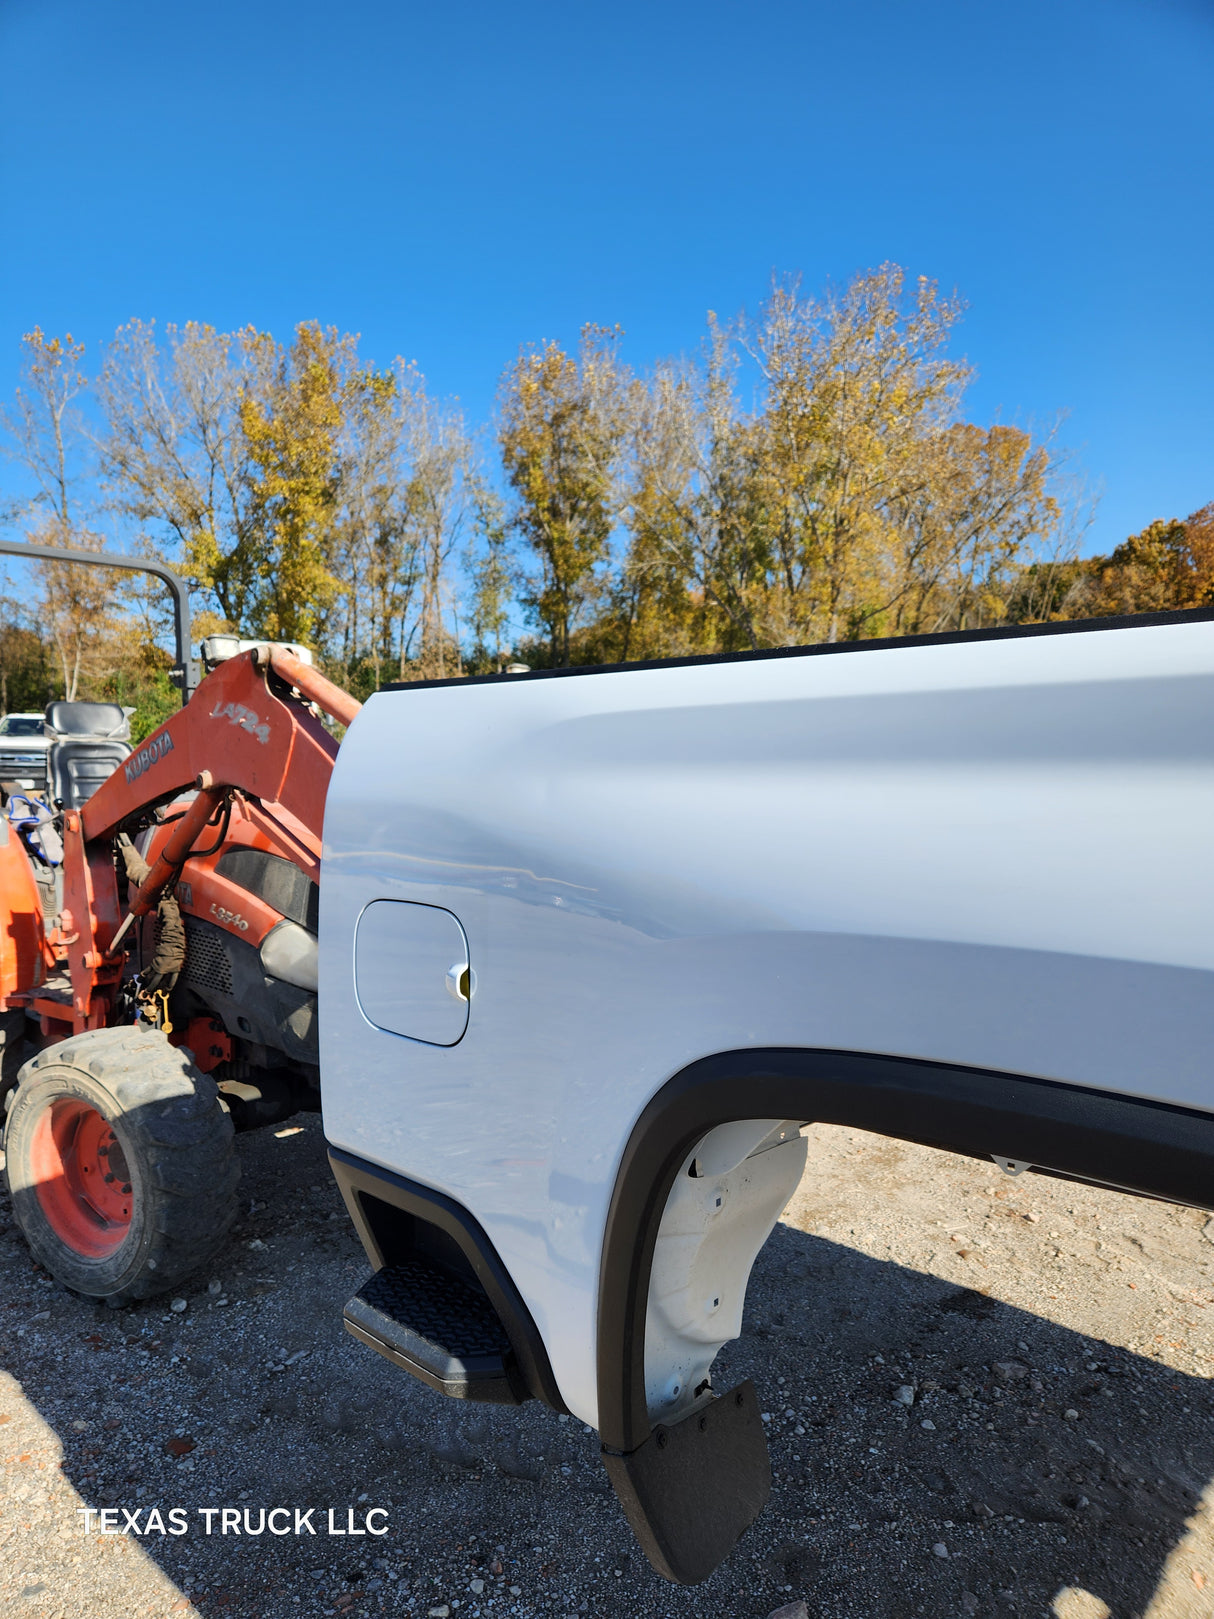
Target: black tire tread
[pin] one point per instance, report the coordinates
(185, 1134)
(12, 1050)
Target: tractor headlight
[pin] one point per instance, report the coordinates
(289, 952)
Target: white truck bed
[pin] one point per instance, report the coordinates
(990, 853)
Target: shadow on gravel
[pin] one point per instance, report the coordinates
(1041, 1459)
(254, 1397)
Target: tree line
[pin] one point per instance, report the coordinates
(809, 474)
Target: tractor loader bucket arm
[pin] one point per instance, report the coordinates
(244, 734)
(239, 734)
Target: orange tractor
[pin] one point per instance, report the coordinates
(169, 997)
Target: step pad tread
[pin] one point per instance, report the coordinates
(437, 1326)
(437, 1307)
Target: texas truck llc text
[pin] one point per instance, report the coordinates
(233, 1521)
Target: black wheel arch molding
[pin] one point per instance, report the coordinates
(1129, 1143)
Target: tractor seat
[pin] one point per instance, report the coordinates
(104, 721)
(88, 742)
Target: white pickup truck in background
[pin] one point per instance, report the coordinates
(595, 944)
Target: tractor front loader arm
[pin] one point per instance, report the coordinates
(249, 737)
(248, 730)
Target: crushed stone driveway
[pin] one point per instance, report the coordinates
(985, 1396)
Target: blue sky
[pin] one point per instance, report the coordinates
(452, 181)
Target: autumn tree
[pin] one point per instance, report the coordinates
(808, 475)
(1167, 567)
(277, 579)
(852, 501)
(375, 547)
(859, 388)
(172, 450)
(42, 435)
(986, 500)
(75, 607)
(563, 420)
(490, 568)
(695, 575)
(311, 497)
(27, 673)
(229, 442)
(437, 499)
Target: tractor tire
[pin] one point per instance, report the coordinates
(120, 1162)
(12, 1053)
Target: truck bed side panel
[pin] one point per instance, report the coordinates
(993, 854)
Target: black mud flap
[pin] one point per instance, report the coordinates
(692, 1489)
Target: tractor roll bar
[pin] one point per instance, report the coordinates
(186, 672)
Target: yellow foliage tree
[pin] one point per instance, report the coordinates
(1167, 567)
(695, 577)
(563, 421)
(277, 578)
(853, 502)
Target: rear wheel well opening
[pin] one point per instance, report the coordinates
(1133, 1143)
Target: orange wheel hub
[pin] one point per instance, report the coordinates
(82, 1177)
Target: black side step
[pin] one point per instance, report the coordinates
(440, 1328)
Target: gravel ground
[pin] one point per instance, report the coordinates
(986, 1396)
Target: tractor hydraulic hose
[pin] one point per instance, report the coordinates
(310, 683)
(174, 853)
(221, 837)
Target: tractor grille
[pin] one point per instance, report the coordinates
(206, 961)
